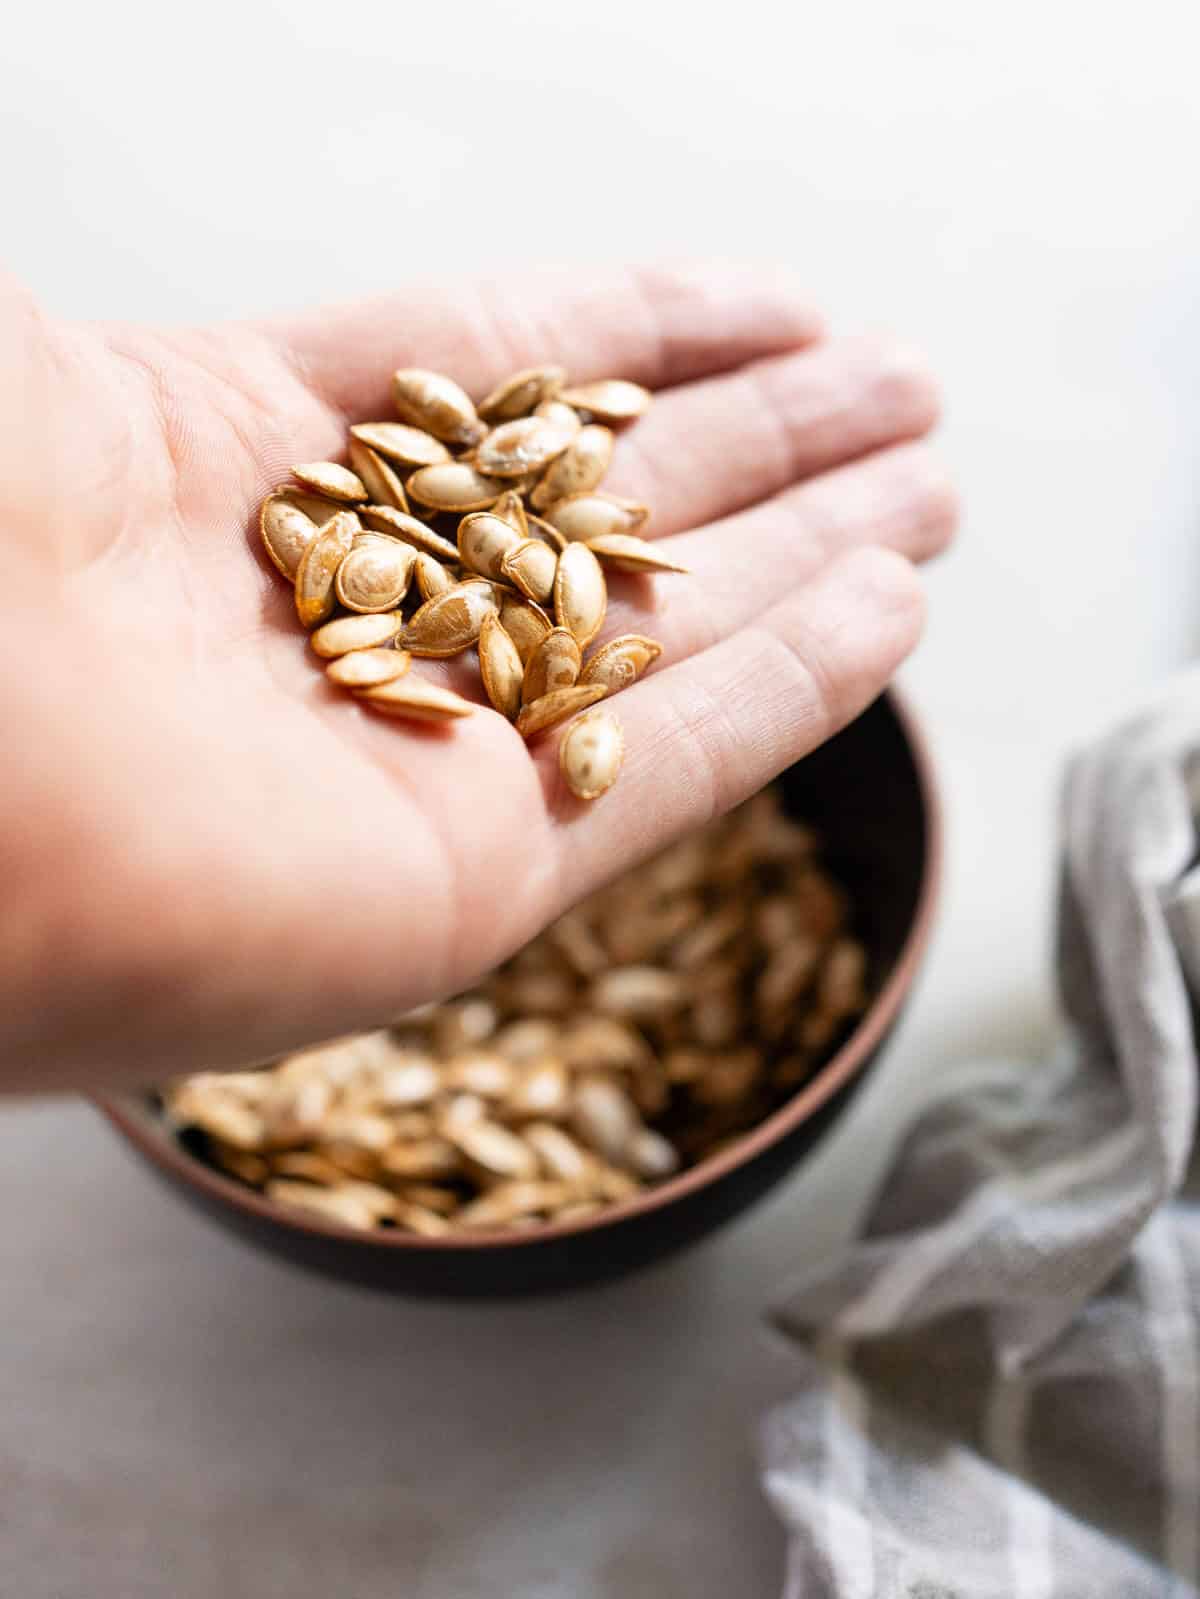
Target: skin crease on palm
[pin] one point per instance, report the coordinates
(209, 855)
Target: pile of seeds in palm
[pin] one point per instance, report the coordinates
(461, 527)
(645, 1030)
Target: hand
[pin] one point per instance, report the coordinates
(209, 855)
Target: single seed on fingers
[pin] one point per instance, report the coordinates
(621, 661)
(555, 707)
(580, 593)
(348, 633)
(531, 566)
(578, 470)
(554, 664)
(454, 486)
(592, 515)
(609, 400)
(521, 392)
(408, 446)
(399, 525)
(434, 402)
(381, 483)
(366, 668)
(412, 697)
(590, 754)
(525, 623)
(333, 481)
(483, 542)
(317, 571)
(376, 573)
(625, 552)
(450, 622)
(500, 667)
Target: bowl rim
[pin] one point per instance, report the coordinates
(133, 1123)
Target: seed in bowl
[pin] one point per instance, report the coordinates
(643, 1031)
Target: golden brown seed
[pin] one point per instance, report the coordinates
(399, 525)
(315, 507)
(507, 1204)
(286, 533)
(621, 661)
(578, 470)
(625, 553)
(434, 402)
(483, 542)
(450, 622)
(591, 516)
(604, 1043)
(510, 508)
(330, 1204)
(493, 1149)
(560, 1155)
(432, 577)
(376, 573)
(423, 1160)
(409, 446)
(381, 483)
(580, 593)
(318, 568)
(480, 1072)
(333, 481)
(604, 1117)
(365, 668)
(554, 664)
(419, 701)
(519, 393)
(524, 445)
(531, 566)
(348, 633)
(563, 416)
(556, 707)
(525, 623)
(454, 486)
(418, 1219)
(590, 754)
(542, 1089)
(610, 399)
(541, 529)
(639, 993)
(240, 1163)
(500, 667)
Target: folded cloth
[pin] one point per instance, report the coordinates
(1001, 1380)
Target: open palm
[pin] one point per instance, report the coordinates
(210, 854)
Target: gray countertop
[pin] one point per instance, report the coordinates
(179, 1417)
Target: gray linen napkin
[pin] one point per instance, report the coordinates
(1001, 1380)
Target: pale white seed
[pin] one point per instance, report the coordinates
(590, 754)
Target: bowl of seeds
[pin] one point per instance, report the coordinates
(671, 1047)
(639, 1074)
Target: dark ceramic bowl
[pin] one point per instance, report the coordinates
(870, 792)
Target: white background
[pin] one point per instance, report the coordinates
(1011, 186)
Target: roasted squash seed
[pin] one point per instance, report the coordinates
(476, 565)
(591, 752)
